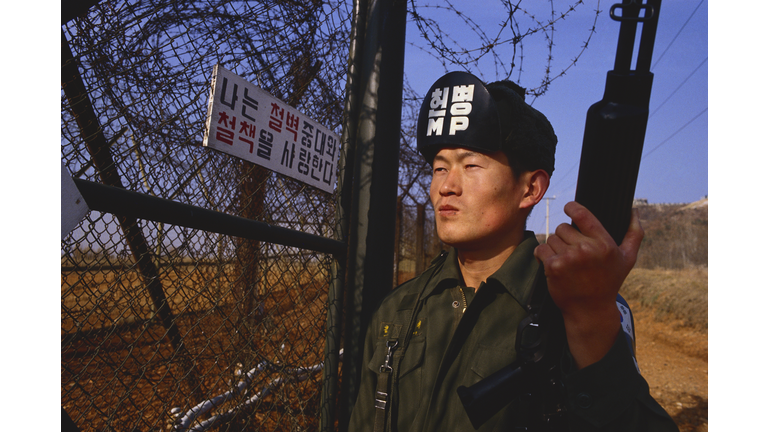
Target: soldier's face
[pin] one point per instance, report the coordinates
(476, 200)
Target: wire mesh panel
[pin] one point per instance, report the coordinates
(166, 327)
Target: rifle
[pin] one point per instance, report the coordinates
(610, 160)
(615, 129)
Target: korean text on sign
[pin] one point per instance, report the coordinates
(247, 122)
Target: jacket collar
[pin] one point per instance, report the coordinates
(517, 275)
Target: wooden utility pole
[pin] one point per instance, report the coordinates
(548, 200)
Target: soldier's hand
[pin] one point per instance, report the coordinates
(585, 270)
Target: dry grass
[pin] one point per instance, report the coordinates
(120, 373)
(671, 320)
(679, 295)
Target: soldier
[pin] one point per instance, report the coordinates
(492, 156)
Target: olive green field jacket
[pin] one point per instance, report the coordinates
(459, 337)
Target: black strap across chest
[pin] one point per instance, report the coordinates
(399, 338)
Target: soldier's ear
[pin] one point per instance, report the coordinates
(535, 185)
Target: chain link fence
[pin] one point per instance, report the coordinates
(165, 327)
(170, 328)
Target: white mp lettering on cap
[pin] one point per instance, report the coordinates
(439, 98)
(438, 104)
(461, 106)
(458, 124)
(435, 125)
(461, 109)
(463, 93)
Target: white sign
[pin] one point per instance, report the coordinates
(251, 124)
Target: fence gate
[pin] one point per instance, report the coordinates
(200, 292)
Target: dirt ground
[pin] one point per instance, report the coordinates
(674, 361)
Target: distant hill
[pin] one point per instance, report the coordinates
(676, 235)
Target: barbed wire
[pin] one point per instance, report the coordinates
(504, 46)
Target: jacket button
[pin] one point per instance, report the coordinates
(584, 400)
(455, 304)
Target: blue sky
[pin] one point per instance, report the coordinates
(674, 168)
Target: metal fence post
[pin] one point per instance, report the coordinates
(377, 100)
(330, 411)
(398, 235)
